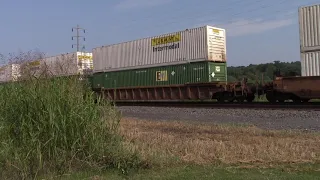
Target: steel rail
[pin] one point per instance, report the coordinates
(216, 105)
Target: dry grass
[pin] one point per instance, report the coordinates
(207, 144)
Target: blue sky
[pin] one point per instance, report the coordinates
(258, 31)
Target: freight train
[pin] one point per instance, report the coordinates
(183, 65)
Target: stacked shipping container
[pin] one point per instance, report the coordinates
(198, 72)
(192, 55)
(309, 22)
(9, 73)
(74, 63)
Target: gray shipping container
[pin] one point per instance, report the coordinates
(309, 25)
(310, 63)
(204, 43)
(60, 65)
(9, 73)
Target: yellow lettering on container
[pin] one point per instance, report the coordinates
(216, 31)
(166, 39)
(84, 57)
(34, 63)
(161, 76)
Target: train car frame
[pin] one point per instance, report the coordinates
(295, 88)
(221, 91)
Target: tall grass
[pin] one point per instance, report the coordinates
(53, 125)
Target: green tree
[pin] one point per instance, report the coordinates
(265, 72)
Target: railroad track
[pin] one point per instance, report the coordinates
(255, 105)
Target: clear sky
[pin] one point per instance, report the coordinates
(258, 31)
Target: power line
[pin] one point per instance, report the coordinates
(77, 36)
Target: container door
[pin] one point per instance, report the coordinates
(109, 81)
(217, 72)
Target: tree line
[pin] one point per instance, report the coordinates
(264, 72)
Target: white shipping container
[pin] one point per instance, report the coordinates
(9, 73)
(310, 64)
(309, 25)
(196, 44)
(61, 65)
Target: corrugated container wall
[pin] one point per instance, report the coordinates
(310, 64)
(61, 65)
(85, 61)
(199, 72)
(309, 22)
(197, 44)
(9, 73)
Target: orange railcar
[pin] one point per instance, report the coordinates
(295, 88)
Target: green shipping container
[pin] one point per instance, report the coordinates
(198, 72)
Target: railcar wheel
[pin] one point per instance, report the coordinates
(230, 97)
(225, 96)
(296, 100)
(281, 97)
(305, 100)
(220, 99)
(250, 98)
(270, 96)
(240, 99)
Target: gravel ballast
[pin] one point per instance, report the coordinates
(265, 119)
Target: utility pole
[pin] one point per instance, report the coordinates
(78, 28)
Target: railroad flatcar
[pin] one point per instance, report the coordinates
(184, 65)
(219, 90)
(295, 88)
(188, 64)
